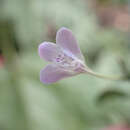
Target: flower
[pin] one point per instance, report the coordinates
(65, 57)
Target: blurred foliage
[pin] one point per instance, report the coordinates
(113, 1)
(77, 103)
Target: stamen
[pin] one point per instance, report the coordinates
(69, 62)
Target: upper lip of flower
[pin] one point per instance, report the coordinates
(66, 57)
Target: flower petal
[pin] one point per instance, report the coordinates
(52, 73)
(48, 51)
(67, 41)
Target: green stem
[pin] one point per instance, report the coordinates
(89, 71)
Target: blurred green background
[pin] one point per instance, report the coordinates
(83, 102)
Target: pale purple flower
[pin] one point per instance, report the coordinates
(65, 57)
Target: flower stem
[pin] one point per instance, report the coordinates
(89, 71)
